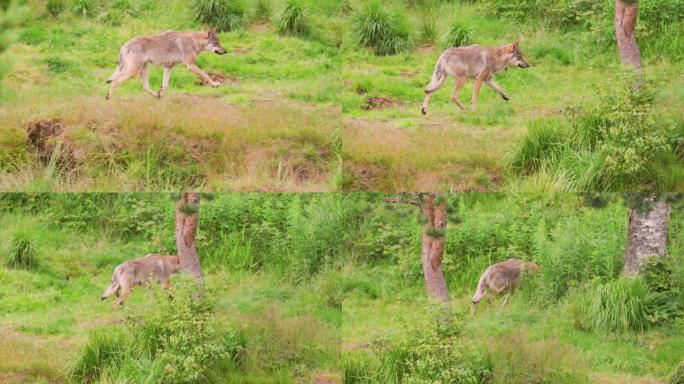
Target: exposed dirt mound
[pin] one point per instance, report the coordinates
(220, 78)
(46, 136)
(377, 103)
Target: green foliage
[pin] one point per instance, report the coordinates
(178, 341)
(12, 16)
(55, 7)
(294, 19)
(459, 35)
(110, 17)
(428, 29)
(616, 306)
(663, 285)
(621, 143)
(385, 31)
(430, 351)
(21, 253)
(224, 15)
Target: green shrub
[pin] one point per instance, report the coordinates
(294, 19)
(55, 7)
(616, 306)
(385, 31)
(459, 35)
(664, 286)
(224, 15)
(22, 252)
(104, 349)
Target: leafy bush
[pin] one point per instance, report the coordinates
(459, 35)
(22, 252)
(430, 351)
(385, 31)
(663, 284)
(294, 19)
(177, 342)
(55, 7)
(224, 15)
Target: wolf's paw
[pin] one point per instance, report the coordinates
(423, 111)
(505, 97)
(214, 84)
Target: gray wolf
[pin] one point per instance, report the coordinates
(500, 277)
(166, 49)
(140, 272)
(473, 62)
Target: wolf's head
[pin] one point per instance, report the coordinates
(516, 56)
(213, 43)
(532, 266)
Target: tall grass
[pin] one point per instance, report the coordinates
(224, 15)
(22, 252)
(294, 19)
(459, 35)
(385, 31)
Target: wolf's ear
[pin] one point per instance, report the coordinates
(211, 32)
(512, 47)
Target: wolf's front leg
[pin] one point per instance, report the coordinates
(165, 81)
(199, 72)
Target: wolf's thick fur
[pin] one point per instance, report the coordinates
(166, 49)
(473, 62)
(141, 271)
(501, 277)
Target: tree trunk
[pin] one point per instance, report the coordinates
(625, 26)
(187, 214)
(647, 233)
(434, 230)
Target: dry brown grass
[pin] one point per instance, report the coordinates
(25, 359)
(140, 143)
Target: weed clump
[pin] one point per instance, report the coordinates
(22, 252)
(386, 32)
(224, 15)
(294, 19)
(459, 35)
(55, 7)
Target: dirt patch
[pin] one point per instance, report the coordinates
(409, 74)
(47, 138)
(326, 378)
(378, 103)
(219, 78)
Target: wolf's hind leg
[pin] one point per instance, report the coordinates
(125, 292)
(146, 82)
(438, 78)
(497, 88)
(506, 297)
(476, 92)
(131, 69)
(460, 81)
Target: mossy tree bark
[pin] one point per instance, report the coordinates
(434, 231)
(187, 217)
(626, 12)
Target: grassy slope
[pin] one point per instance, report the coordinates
(399, 149)
(271, 127)
(46, 315)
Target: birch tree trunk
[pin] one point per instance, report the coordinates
(625, 25)
(187, 215)
(434, 230)
(647, 233)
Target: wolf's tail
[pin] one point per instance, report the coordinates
(120, 67)
(481, 289)
(112, 287)
(438, 77)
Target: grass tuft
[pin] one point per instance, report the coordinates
(459, 35)
(385, 31)
(294, 19)
(224, 15)
(22, 252)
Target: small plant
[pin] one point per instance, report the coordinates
(55, 7)
(384, 31)
(224, 15)
(263, 10)
(83, 8)
(22, 252)
(294, 19)
(459, 35)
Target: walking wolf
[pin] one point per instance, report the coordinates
(473, 62)
(166, 49)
